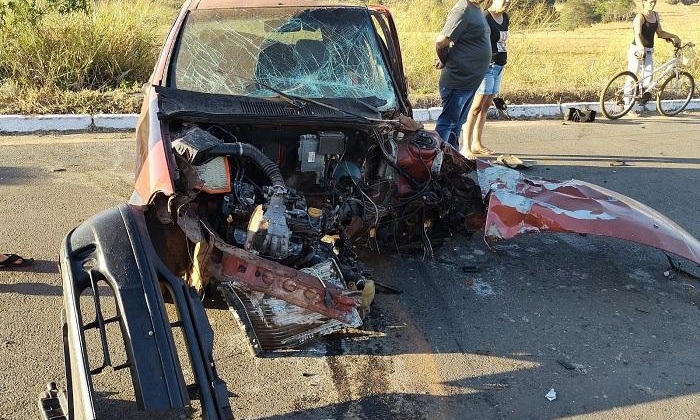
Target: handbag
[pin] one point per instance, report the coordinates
(580, 115)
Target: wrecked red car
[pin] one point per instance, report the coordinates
(275, 138)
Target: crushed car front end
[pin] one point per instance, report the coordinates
(274, 140)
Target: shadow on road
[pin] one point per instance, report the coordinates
(32, 289)
(647, 116)
(594, 319)
(612, 159)
(11, 175)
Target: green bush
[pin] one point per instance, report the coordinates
(31, 11)
(532, 14)
(60, 45)
(616, 10)
(70, 6)
(577, 13)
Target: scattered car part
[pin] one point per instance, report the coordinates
(520, 205)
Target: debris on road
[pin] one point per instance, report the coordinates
(683, 267)
(387, 289)
(551, 395)
(470, 269)
(498, 386)
(514, 162)
(518, 205)
(573, 366)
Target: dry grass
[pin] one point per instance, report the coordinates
(81, 62)
(15, 99)
(550, 65)
(119, 43)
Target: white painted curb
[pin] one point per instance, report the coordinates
(434, 113)
(115, 121)
(79, 122)
(29, 123)
(542, 110)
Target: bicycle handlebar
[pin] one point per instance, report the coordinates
(680, 47)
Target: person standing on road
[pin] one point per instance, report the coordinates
(463, 56)
(641, 52)
(498, 20)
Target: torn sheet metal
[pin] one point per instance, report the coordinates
(296, 287)
(520, 205)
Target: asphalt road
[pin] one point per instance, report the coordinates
(594, 318)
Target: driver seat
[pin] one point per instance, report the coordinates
(275, 63)
(310, 55)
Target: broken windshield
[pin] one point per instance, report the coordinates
(329, 52)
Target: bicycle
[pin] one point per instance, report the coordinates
(672, 95)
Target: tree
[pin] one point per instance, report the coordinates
(616, 10)
(577, 13)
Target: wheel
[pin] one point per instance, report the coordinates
(675, 93)
(618, 97)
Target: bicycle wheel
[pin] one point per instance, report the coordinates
(675, 93)
(618, 97)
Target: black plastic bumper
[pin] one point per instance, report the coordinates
(114, 248)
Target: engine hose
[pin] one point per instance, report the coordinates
(270, 168)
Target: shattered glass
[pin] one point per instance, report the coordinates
(330, 52)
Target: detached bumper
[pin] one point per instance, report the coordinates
(114, 248)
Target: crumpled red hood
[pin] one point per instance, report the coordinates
(520, 205)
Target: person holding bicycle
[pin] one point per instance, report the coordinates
(641, 51)
(671, 85)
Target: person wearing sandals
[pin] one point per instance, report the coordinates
(641, 52)
(498, 21)
(14, 261)
(463, 55)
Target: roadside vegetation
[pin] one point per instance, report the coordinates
(546, 62)
(93, 56)
(68, 56)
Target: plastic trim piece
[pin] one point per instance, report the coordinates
(114, 247)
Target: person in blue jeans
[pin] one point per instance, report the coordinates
(498, 21)
(463, 56)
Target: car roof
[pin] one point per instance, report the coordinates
(233, 4)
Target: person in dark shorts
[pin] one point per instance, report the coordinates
(498, 21)
(463, 55)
